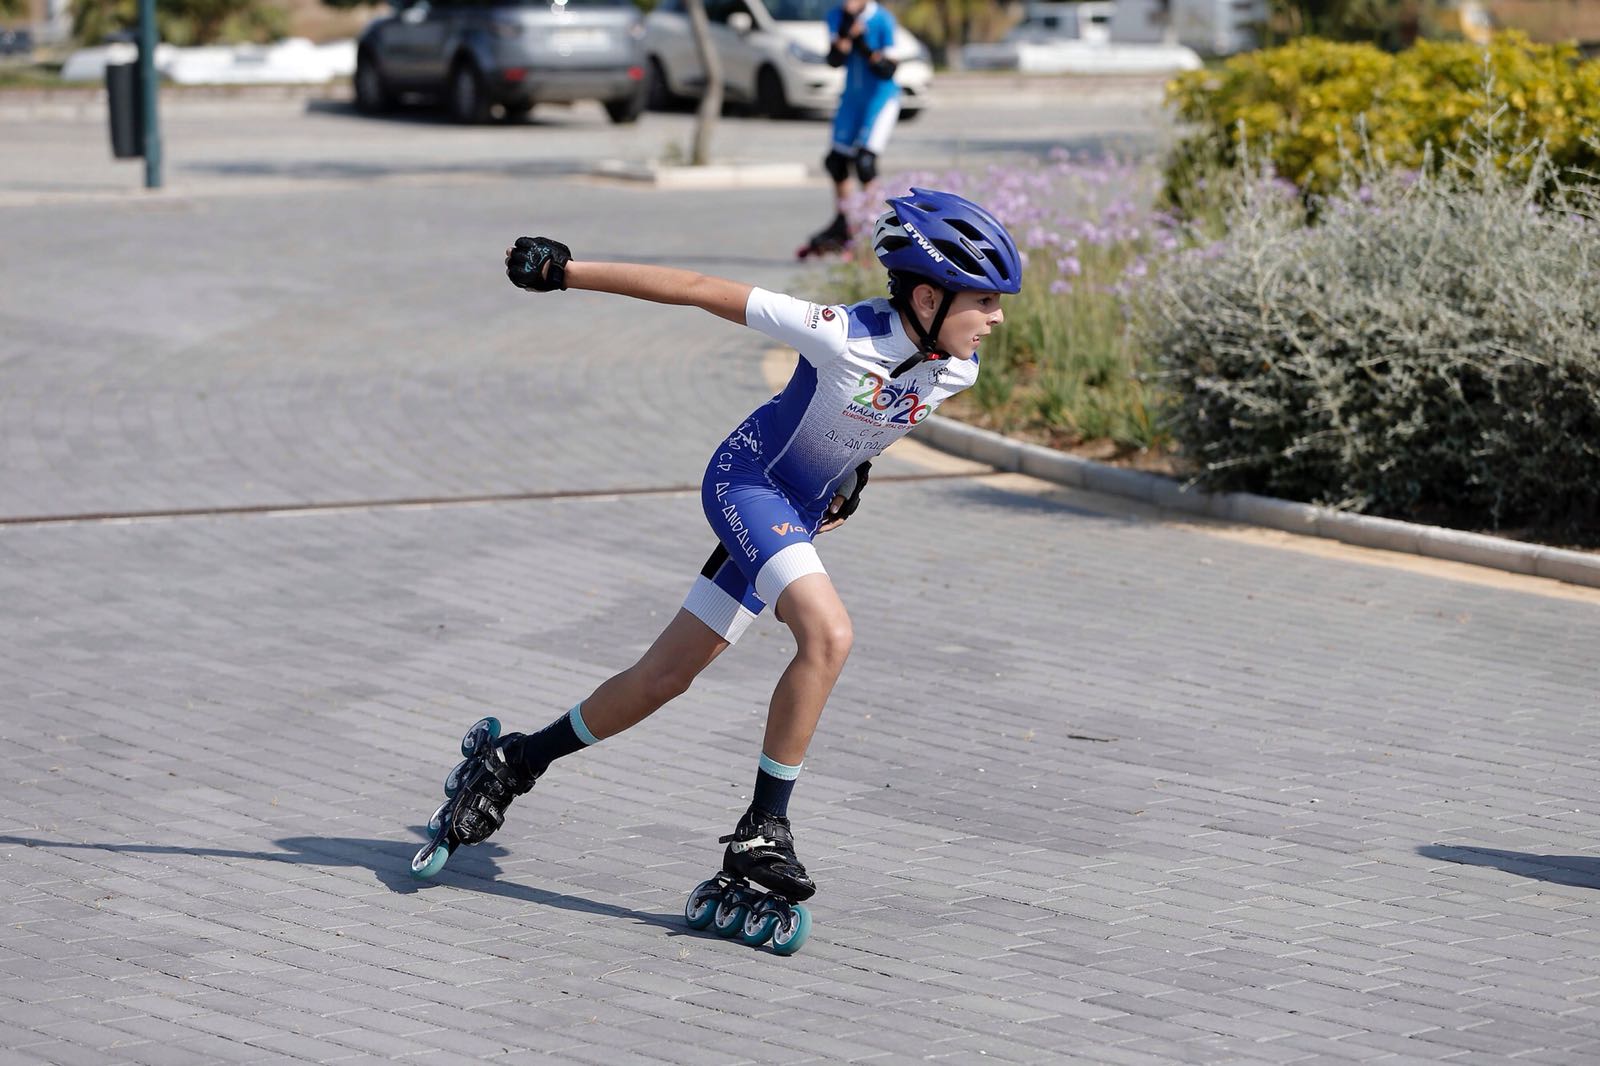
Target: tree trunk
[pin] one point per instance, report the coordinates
(711, 102)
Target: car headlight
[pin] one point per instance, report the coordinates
(802, 54)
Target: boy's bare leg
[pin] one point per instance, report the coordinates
(811, 608)
(685, 648)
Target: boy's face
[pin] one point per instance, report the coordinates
(972, 315)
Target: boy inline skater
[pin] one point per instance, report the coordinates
(867, 374)
(861, 32)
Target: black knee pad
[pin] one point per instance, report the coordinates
(837, 165)
(866, 166)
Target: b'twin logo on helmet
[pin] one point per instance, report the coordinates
(925, 244)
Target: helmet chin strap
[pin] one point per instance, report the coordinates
(927, 339)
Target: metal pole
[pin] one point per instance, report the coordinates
(147, 94)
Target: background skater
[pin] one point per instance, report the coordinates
(862, 33)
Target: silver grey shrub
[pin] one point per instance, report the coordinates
(1428, 347)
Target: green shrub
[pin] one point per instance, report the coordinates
(1428, 348)
(1300, 106)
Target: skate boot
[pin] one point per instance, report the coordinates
(480, 789)
(761, 849)
(830, 240)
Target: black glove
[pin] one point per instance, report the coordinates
(850, 488)
(883, 67)
(538, 263)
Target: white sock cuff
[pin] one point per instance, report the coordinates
(575, 716)
(782, 771)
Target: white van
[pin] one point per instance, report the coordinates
(774, 56)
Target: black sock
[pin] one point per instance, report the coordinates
(534, 752)
(774, 784)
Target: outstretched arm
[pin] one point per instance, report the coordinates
(663, 285)
(538, 264)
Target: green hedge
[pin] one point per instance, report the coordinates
(1428, 348)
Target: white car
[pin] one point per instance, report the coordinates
(774, 56)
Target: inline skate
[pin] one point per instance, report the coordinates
(479, 790)
(760, 850)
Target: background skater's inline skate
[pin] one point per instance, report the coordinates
(761, 849)
(479, 790)
(832, 239)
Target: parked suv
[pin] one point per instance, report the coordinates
(774, 56)
(473, 54)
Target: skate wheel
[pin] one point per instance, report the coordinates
(729, 916)
(483, 729)
(758, 926)
(702, 905)
(429, 860)
(793, 930)
(438, 817)
(452, 781)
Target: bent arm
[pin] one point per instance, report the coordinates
(663, 285)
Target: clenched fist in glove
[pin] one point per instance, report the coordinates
(538, 264)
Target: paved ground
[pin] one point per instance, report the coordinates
(1096, 786)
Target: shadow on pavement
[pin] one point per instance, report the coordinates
(1581, 871)
(474, 870)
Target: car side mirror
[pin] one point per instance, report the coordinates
(741, 23)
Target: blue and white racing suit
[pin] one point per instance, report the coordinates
(770, 481)
(870, 105)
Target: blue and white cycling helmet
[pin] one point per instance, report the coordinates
(948, 240)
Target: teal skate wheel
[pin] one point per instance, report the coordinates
(452, 781)
(481, 729)
(702, 905)
(438, 817)
(429, 860)
(758, 926)
(729, 917)
(792, 932)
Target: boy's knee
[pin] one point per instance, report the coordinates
(867, 166)
(829, 641)
(664, 682)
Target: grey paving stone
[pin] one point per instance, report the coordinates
(220, 733)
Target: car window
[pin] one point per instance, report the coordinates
(574, 4)
(671, 7)
(800, 10)
(719, 10)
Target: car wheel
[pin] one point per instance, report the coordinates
(469, 96)
(630, 107)
(372, 92)
(910, 113)
(770, 97)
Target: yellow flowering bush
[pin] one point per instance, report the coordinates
(1306, 106)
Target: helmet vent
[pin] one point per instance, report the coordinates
(965, 228)
(968, 261)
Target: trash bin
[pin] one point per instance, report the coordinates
(127, 116)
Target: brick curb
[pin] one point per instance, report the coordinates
(1478, 549)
